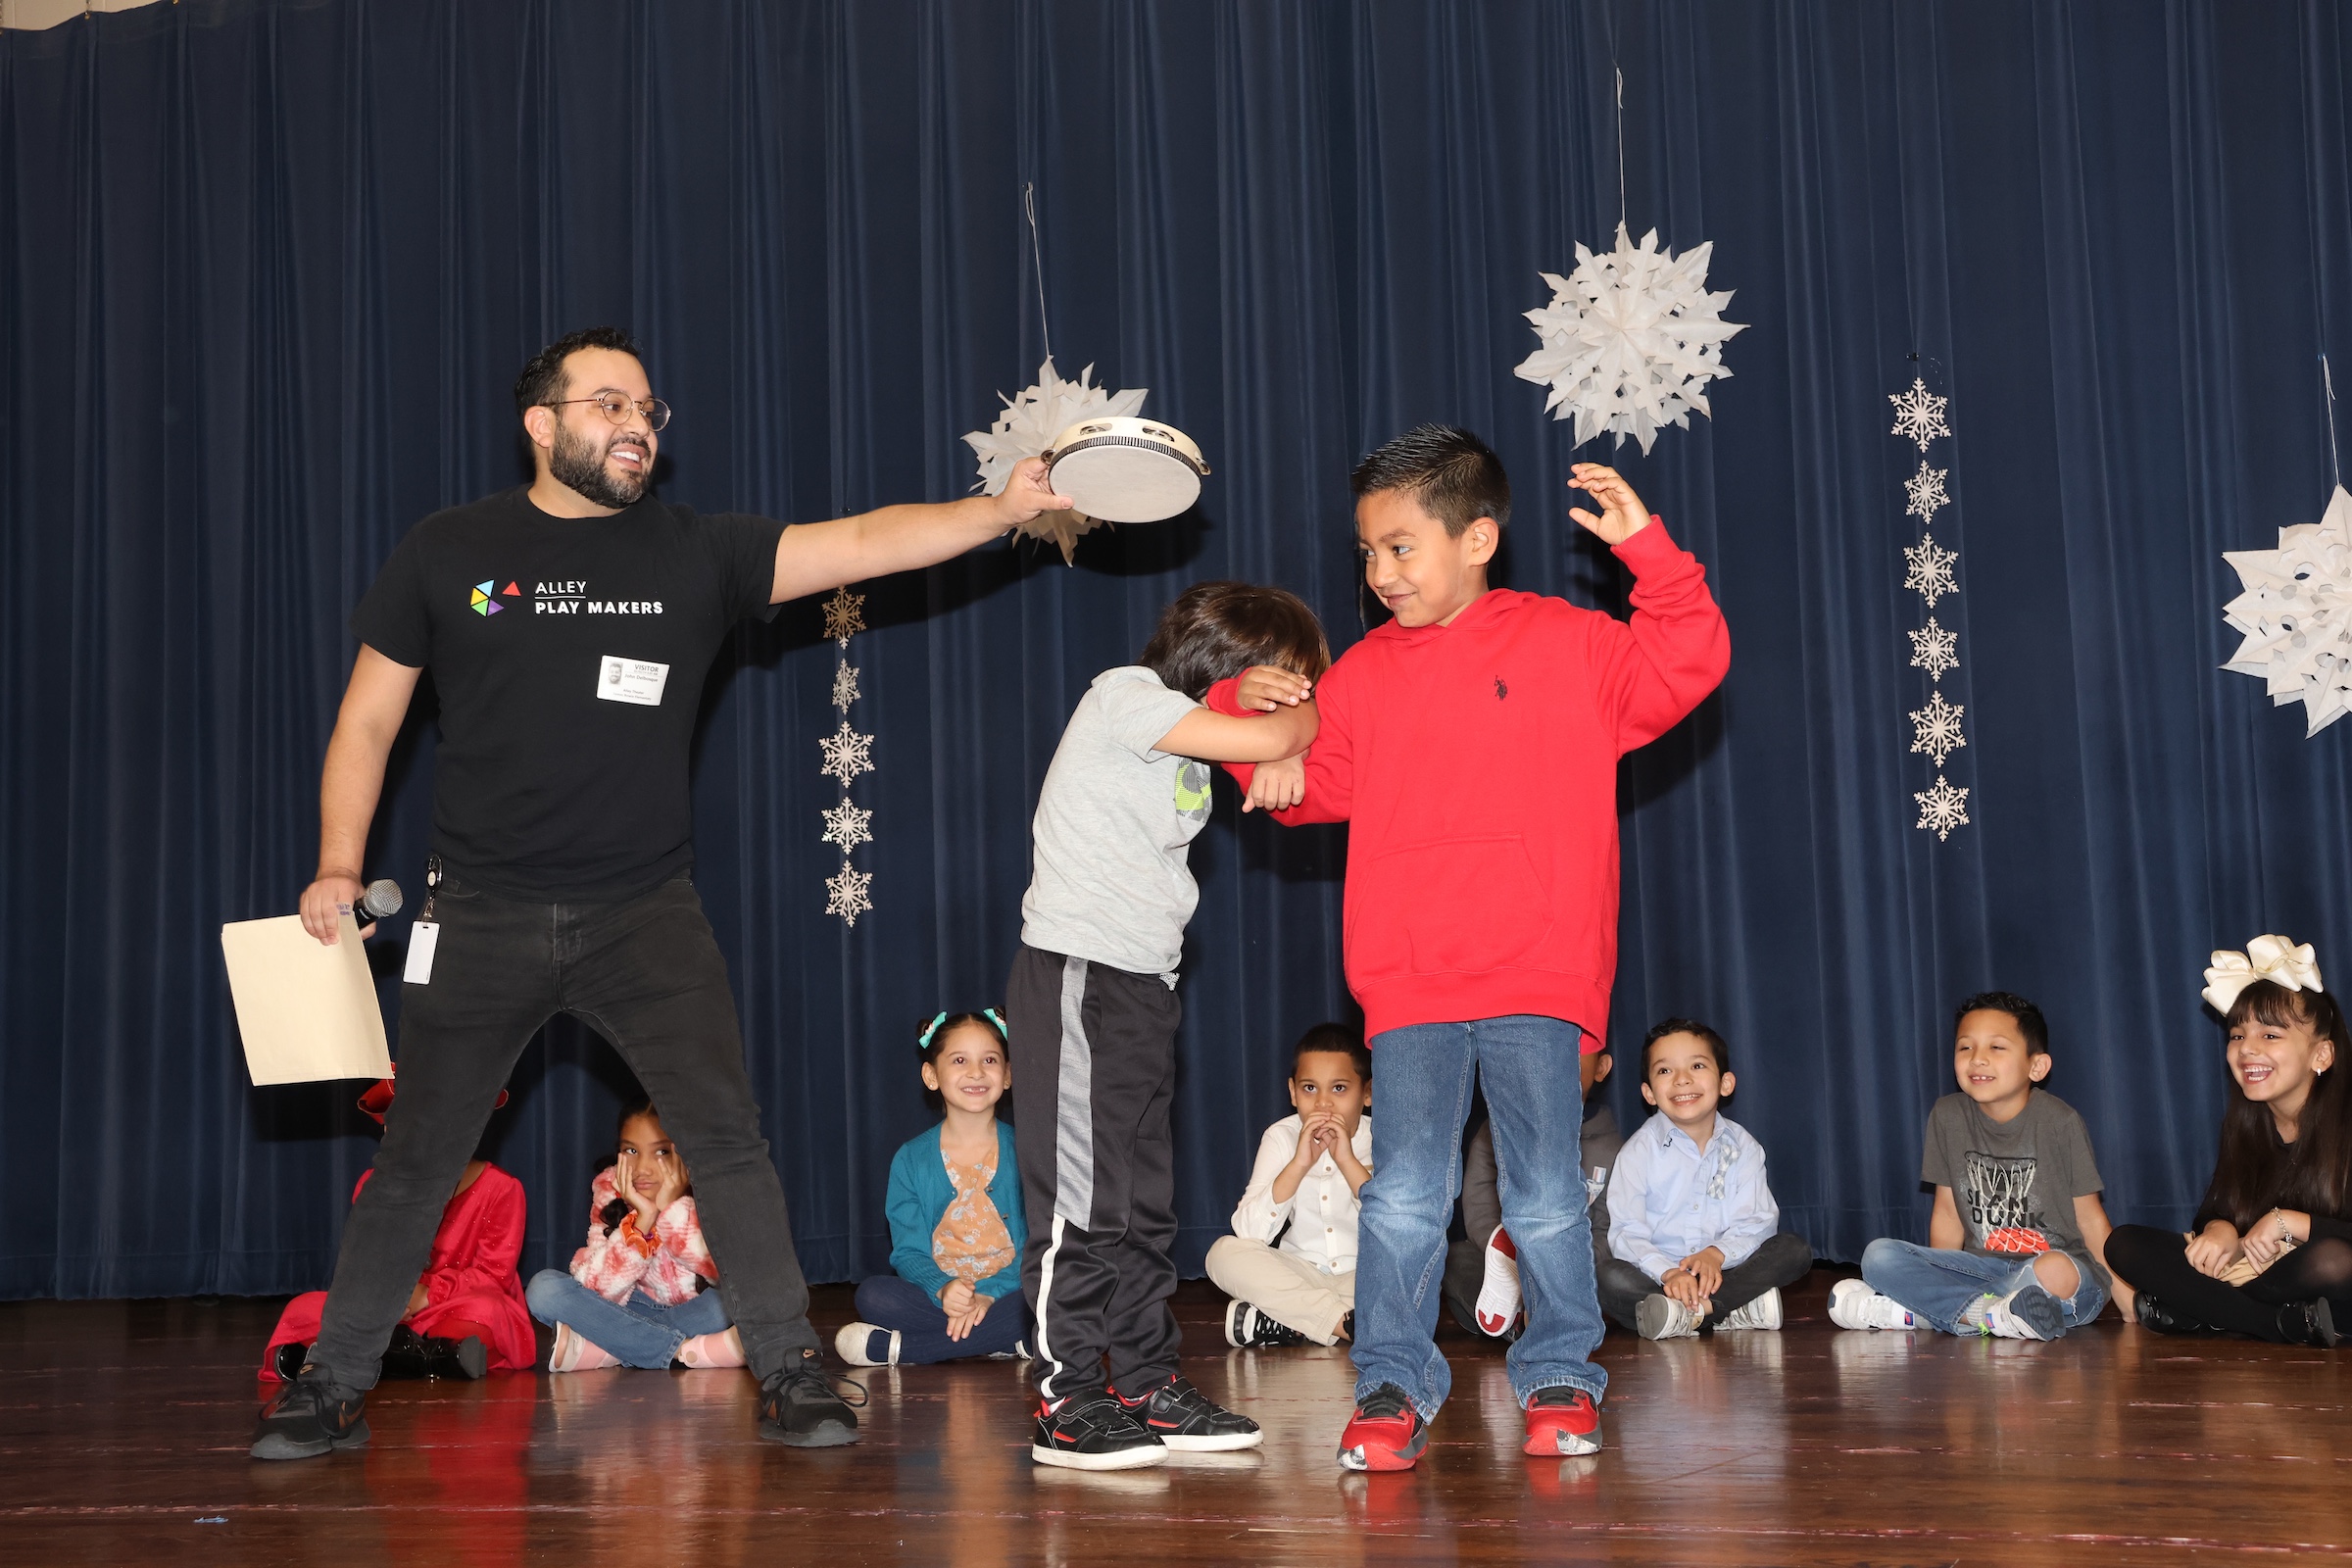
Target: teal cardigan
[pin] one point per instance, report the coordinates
(921, 1193)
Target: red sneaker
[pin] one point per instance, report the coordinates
(1562, 1420)
(1385, 1432)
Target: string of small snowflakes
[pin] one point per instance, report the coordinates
(848, 754)
(1934, 648)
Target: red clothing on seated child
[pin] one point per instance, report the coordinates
(470, 1284)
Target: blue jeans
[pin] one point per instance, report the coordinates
(1938, 1283)
(888, 1302)
(1537, 1105)
(639, 1332)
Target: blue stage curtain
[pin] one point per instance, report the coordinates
(266, 270)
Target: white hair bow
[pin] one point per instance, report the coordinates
(2267, 958)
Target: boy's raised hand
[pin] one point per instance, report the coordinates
(1277, 786)
(1622, 513)
(1262, 688)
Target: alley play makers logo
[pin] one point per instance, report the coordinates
(484, 604)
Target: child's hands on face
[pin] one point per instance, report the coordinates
(625, 1177)
(1622, 515)
(1277, 786)
(1266, 687)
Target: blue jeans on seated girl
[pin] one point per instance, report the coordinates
(1938, 1284)
(1536, 1100)
(888, 1302)
(639, 1332)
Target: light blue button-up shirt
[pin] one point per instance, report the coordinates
(1668, 1201)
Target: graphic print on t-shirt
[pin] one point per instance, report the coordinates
(2000, 1204)
(1192, 790)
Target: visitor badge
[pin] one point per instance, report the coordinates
(424, 937)
(631, 680)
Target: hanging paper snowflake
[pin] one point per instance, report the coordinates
(848, 826)
(1935, 650)
(1925, 490)
(847, 893)
(845, 685)
(1631, 339)
(2296, 614)
(845, 614)
(1027, 426)
(1938, 728)
(1931, 570)
(1941, 809)
(1919, 414)
(848, 754)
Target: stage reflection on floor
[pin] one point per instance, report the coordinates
(122, 1430)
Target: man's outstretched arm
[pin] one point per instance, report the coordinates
(814, 556)
(374, 705)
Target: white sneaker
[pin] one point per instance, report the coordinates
(1662, 1317)
(1854, 1304)
(1498, 1293)
(2003, 1320)
(863, 1344)
(1764, 1312)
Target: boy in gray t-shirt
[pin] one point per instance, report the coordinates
(2018, 1236)
(1090, 1013)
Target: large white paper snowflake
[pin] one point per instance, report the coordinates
(1936, 650)
(1919, 414)
(1941, 809)
(848, 826)
(848, 754)
(2296, 614)
(848, 893)
(1930, 575)
(1027, 426)
(1937, 727)
(845, 614)
(1925, 490)
(845, 685)
(1631, 339)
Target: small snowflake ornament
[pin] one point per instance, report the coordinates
(1027, 426)
(848, 754)
(845, 686)
(1631, 340)
(1941, 809)
(1919, 414)
(1925, 490)
(847, 893)
(1936, 650)
(1931, 570)
(1937, 727)
(2296, 615)
(848, 826)
(845, 614)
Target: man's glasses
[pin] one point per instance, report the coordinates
(617, 408)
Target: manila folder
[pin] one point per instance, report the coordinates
(307, 1012)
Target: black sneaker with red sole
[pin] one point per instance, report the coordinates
(1094, 1431)
(1188, 1421)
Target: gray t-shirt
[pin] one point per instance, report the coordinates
(2015, 1182)
(1108, 878)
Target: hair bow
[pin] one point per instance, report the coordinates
(2267, 958)
(922, 1042)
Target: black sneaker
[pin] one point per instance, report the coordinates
(801, 1408)
(2309, 1322)
(1094, 1431)
(1246, 1328)
(411, 1354)
(1188, 1421)
(2153, 1315)
(308, 1419)
(287, 1362)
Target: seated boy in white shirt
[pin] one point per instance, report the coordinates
(1290, 1264)
(1697, 1236)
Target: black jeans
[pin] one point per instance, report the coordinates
(646, 974)
(2156, 1261)
(1782, 1260)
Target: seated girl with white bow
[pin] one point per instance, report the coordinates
(2270, 1255)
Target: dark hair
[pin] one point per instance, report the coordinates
(543, 379)
(2255, 1171)
(1339, 1040)
(948, 1026)
(1217, 629)
(613, 1213)
(1687, 1026)
(2029, 1023)
(1450, 474)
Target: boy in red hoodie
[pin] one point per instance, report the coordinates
(1473, 741)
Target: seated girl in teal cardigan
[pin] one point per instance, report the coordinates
(955, 1223)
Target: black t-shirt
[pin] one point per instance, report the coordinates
(569, 655)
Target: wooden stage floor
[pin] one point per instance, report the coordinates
(124, 1425)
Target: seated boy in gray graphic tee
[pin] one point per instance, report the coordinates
(2018, 1236)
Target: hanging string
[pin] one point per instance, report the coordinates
(1620, 70)
(1036, 260)
(2334, 462)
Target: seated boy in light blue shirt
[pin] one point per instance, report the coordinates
(1697, 1236)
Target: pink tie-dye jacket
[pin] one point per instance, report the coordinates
(664, 1265)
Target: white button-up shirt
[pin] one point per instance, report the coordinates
(1668, 1201)
(1320, 1214)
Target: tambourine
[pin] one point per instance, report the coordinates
(1126, 469)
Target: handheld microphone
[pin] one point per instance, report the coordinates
(381, 899)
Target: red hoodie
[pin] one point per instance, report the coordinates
(1478, 765)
